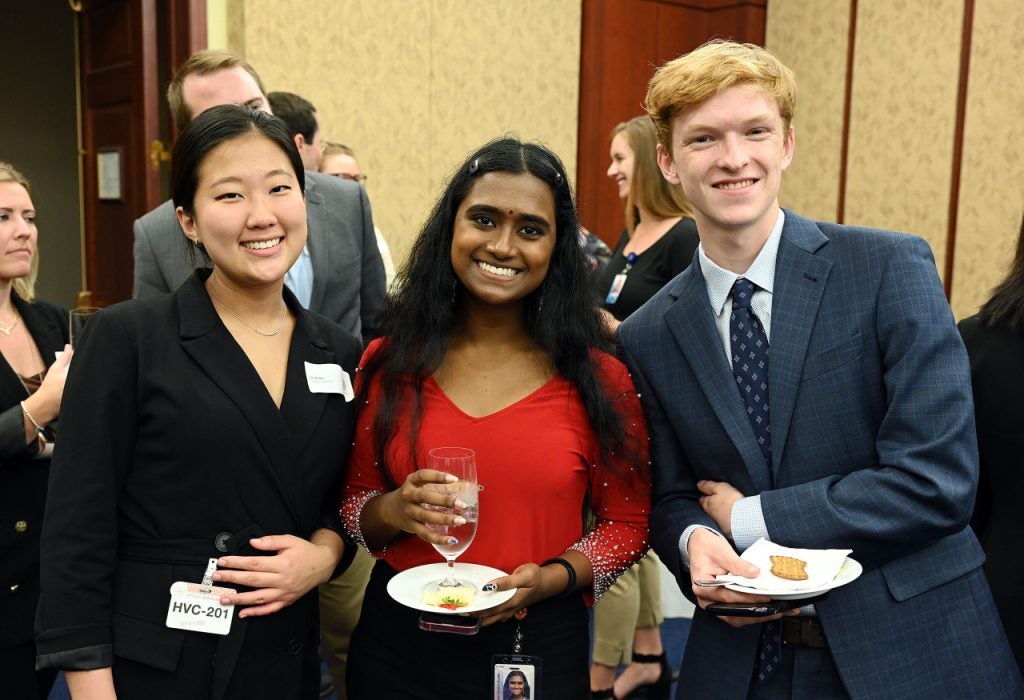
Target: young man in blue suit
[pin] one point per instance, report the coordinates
(805, 382)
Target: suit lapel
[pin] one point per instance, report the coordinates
(692, 325)
(800, 278)
(317, 242)
(210, 344)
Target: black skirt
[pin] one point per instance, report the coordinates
(390, 657)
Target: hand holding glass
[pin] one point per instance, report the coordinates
(461, 463)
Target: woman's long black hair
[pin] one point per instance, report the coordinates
(424, 312)
(1006, 305)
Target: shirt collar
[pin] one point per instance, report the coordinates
(761, 272)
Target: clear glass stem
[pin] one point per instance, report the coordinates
(449, 579)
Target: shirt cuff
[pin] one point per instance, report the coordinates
(684, 541)
(748, 525)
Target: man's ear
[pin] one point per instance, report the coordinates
(788, 147)
(300, 142)
(667, 165)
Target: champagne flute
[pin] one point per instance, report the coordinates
(77, 318)
(461, 463)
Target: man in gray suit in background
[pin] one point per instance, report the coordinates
(341, 277)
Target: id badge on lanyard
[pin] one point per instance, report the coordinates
(517, 675)
(620, 281)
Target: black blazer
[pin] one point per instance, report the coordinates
(997, 374)
(170, 444)
(23, 480)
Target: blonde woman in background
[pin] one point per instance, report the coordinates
(660, 237)
(658, 243)
(31, 386)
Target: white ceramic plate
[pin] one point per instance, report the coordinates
(847, 572)
(407, 586)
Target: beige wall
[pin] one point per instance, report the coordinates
(902, 124)
(415, 85)
(810, 38)
(992, 176)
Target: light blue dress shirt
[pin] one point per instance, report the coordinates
(300, 278)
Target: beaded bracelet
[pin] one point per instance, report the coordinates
(570, 586)
(40, 430)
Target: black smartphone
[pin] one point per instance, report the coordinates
(452, 624)
(772, 607)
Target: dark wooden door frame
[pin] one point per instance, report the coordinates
(127, 49)
(622, 43)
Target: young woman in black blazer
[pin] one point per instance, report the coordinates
(32, 332)
(211, 423)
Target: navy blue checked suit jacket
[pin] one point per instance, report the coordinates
(873, 448)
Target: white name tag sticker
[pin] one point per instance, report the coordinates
(329, 379)
(197, 608)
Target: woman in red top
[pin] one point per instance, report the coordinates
(493, 343)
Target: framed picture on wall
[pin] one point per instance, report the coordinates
(108, 173)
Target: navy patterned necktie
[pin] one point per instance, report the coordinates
(749, 344)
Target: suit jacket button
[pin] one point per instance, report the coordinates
(221, 541)
(20, 526)
(294, 647)
(14, 588)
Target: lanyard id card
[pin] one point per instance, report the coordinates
(616, 289)
(516, 675)
(620, 280)
(196, 607)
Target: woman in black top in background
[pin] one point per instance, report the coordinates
(995, 343)
(660, 237)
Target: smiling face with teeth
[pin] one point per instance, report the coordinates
(503, 238)
(249, 212)
(621, 168)
(728, 155)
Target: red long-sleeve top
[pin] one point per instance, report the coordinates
(535, 461)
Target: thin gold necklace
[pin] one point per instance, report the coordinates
(254, 329)
(6, 330)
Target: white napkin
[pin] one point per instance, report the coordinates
(822, 567)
